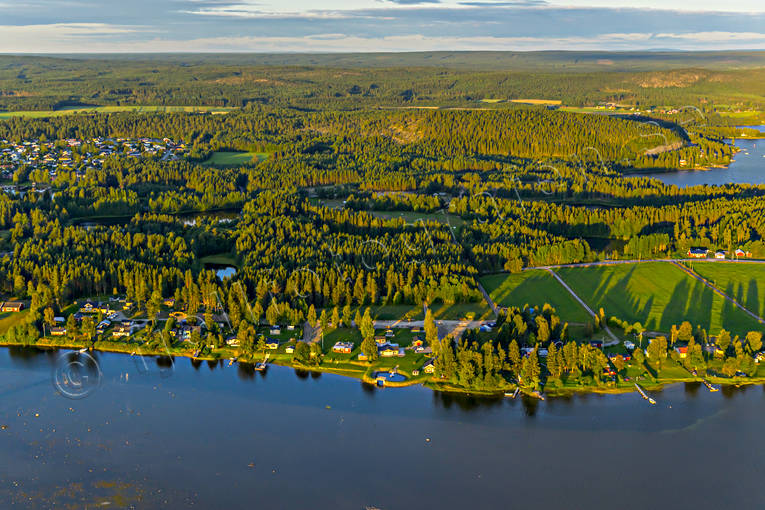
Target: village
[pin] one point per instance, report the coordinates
(80, 155)
(404, 356)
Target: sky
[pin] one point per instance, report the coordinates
(93, 26)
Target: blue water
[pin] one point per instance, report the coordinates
(747, 167)
(205, 435)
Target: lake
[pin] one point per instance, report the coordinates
(205, 435)
(747, 167)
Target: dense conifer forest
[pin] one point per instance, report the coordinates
(354, 204)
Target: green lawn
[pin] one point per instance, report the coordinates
(656, 294)
(741, 281)
(230, 158)
(534, 288)
(10, 319)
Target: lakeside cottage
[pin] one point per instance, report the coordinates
(57, 331)
(343, 347)
(12, 306)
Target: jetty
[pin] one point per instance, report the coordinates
(643, 394)
(514, 393)
(708, 385)
(261, 365)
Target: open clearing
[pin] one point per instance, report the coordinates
(533, 288)
(743, 282)
(230, 158)
(116, 109)
(656, 294)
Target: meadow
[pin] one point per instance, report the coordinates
(743, 282)
(231, 158)
(115, 109)
(534, 288)
(656, 294)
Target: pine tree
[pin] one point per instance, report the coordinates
(431, 331)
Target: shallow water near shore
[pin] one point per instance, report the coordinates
(162, 433)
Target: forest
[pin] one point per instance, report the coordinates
(357, 207)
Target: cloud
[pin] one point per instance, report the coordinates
(70, 39)
(403, 25)
(413, 2)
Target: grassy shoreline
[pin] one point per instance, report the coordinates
(363, 372)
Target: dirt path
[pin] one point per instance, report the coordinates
(581, 302)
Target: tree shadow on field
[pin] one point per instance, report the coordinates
(627, 306)
(675, 306)
(753, 298)
(649, 322)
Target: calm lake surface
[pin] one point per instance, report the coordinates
(748, 167)
(206, 435)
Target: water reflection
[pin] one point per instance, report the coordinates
(153, 434)
(692, 388)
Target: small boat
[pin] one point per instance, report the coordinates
(231, 361)
(538, 394)
(643, 394)
(260, 366)
(708, 385)
(83, 350)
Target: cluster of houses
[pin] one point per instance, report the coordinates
(386, 348)
(702, 253)
(81, 155)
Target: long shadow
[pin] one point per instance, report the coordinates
(645, 311)
(753, 298)
(617, 294)
(701, 308)
(729, 315)
(677, 301)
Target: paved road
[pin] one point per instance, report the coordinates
(633, 261)
(581, 302)
(719, 292)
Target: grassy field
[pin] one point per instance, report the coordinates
(534, 288)
(10, 319)
(412, 217)
(743, 282)
(656, 294)
(224, 259)
(235, 158)
(116, 109)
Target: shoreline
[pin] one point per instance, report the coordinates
(430, 382)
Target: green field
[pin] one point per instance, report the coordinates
(656, 294)
(412, 217)
(743, 282)
(535, 288)
(115, 109)
(10, 319)
(228, 158)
